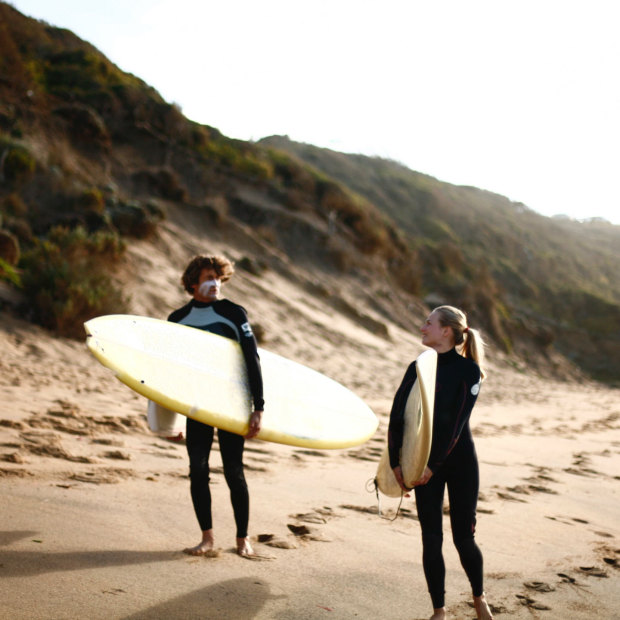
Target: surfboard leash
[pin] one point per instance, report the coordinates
(373, 482)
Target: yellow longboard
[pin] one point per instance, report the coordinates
(418, 431)
(203, 376)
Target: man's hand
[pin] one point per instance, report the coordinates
(255, 424)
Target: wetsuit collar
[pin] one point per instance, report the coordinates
(447, 357)
(203, 304)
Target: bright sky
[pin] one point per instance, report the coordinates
(519, 97)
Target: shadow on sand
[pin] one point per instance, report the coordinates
(241, 599)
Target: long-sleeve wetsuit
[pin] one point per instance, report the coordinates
(453, 462)
(225, 318)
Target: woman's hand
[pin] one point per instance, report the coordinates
(255, 424)
(424, 478)
(398, 474)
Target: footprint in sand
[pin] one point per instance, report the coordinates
(539, 586)
(307, 533)
(14, 473)
(107, 475)
(593, 571)
(567, 578)
(532, 603)
(300, 531)
(301, 453)
(536, 488)
(117, 455)
(510, 498)
(12, 424)
(104, 441)
(49, 444)
(257, 468)
(310, 517)
(273, 541)
(495, 608)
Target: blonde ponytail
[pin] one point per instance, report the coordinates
(469, 340)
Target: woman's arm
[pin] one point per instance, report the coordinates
(397, 415)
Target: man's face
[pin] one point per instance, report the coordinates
(208, 287)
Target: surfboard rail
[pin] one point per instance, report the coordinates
(202, 375)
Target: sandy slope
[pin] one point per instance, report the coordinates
(95, 509)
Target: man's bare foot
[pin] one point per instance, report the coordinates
(439, 614)
(244, 548)
(482, 608)
(205, 547)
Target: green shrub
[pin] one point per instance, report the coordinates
(85, 125)
(18, 165)
(20, 227)
(163, 182)
(9, 273)
(237, 156)
(91, 200)
(66, 279)
(9, 247)
(134, 220)
(14, 205)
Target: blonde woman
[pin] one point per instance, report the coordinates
(453, 462)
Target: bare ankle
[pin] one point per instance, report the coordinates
(244, 547)
(483, 611)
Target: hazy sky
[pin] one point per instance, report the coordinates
(520, 97)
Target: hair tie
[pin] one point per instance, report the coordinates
(466, 330)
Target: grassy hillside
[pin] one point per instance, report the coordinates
(92, 158)
(545, 281)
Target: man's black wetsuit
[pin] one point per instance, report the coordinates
(453, 462)
(225, 318)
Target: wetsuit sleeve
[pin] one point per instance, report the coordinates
(397, 415)
(447, 434)
(252, 360)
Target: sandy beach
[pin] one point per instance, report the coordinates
(96, 509)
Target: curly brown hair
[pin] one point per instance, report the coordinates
(220, 264)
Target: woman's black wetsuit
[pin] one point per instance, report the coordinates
(453, 462)
(227, 319)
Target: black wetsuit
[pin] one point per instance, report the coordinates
(227, 319)
(453, 462)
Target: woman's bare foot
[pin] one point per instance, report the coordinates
(439, 614)
(482, 608)
(205, 547)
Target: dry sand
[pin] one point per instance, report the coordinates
(95, 509)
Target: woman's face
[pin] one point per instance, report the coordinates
(434, 335)
(208, 287)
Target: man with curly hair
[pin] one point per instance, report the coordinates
(202, 279)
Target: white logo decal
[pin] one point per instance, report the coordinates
(475, 389)
(247, 330)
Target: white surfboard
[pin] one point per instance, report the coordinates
(203, 376)
(418, 431)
